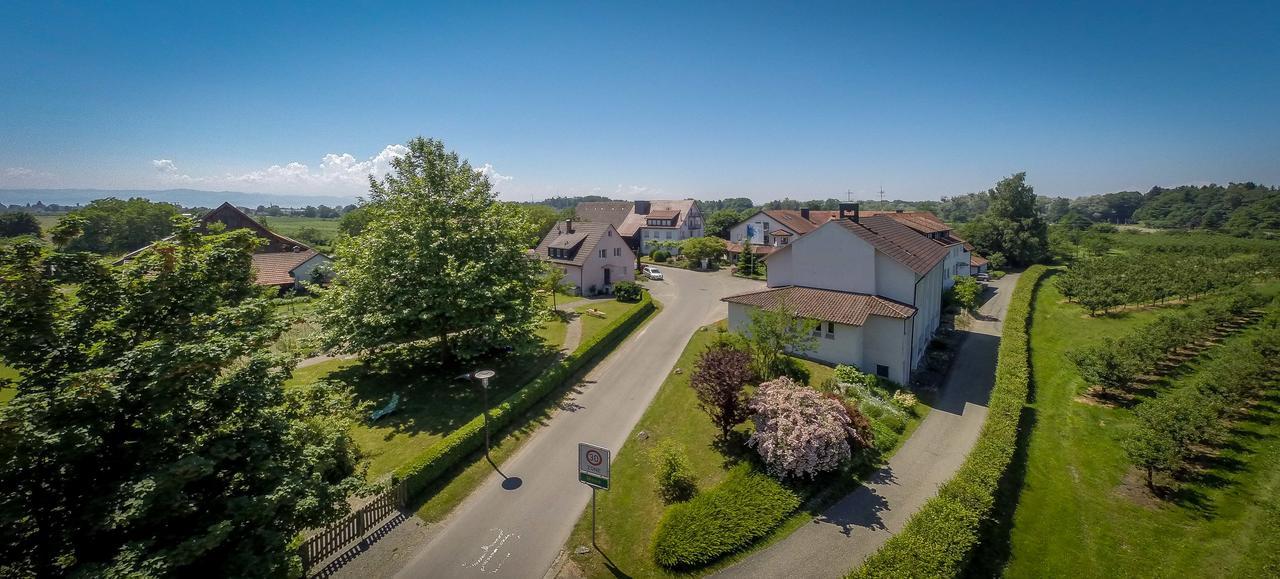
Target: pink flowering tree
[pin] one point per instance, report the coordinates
(799, 432)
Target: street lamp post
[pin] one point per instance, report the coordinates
(483, 376)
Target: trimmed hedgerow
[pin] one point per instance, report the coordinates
(747, 505)
(939, 539)
(440, 457)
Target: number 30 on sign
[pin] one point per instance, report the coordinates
(593, 465)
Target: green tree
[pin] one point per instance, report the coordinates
(1011, 224)
(966, 291)
(66, 229)
(353, 222)
(542, 217)
(112, 225)
(442, 264)
(1109, 365)
(15, 223)
(772, 333)
(720, 222)
(552, 281)
(151, 434)
(747, 260)
(700, 248)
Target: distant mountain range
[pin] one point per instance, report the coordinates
(183, 197)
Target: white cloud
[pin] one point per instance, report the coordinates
(27, 177)
(494, 176)
(336, 173)
(18, 172)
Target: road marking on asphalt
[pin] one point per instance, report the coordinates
(490, 551)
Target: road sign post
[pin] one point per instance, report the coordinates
(593, 471)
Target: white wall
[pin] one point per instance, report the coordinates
(928, 303)
(831, 257)
(886, 342)
(845, 347)
(894, 280)
(622, 267)
(303, 271)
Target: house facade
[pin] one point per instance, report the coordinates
(647, 225)
(772, 229)
(593, 256)
(873, 285)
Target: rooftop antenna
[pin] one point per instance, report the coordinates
(848, 195)
(882, 196)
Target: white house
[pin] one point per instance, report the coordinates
(645, 223)
(873, 284)
(593, 255)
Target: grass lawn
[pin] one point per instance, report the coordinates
(7, 392)
(629, 513)
(1083, 511)
(434, 403)
(591, 325)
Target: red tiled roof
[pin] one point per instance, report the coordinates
(275, 268)
(792, 219)
(623, 217)
(734, 247)
(905, 245)
(663, 214)
(841, 307)
(780, 232)
(922, 221)
(977, 260)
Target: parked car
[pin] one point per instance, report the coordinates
(652, 272)
(983, 277)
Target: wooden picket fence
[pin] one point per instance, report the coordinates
(353, 527)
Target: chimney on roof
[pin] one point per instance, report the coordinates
(804, 213)
(568, 225)
(849, 211)
(642, 207)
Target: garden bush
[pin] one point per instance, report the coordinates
(660, 255)
(438, 458)
(939, 539)
(676, 481)
(627, 291)
(799, 431)
(746, 506)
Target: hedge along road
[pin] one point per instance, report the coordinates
(515, 526)
(846, 533)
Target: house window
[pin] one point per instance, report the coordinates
(831, 330)
(668, 234)
(604, 253)
(609, 233)
(617, 252)
(882, 371)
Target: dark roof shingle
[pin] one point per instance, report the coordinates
(585, 237)
(906, 246)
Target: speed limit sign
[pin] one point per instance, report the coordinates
(593, 465)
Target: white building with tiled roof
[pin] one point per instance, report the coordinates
(646, 224)
(593, 256)
(873, 284)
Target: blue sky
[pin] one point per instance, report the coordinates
(634, 101)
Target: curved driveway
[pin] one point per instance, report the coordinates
(506, 529)
(846, 533)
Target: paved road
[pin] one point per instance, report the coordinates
(840, 538)
(516, 527)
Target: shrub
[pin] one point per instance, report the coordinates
(627, 291)
(905, 400)
(437, 459)
(661, 255)
(852, 375)
(938, 539)
(676, 481)
(965, 292)
(996, 274)
(720, 378)
(799, 432)
(743, 508)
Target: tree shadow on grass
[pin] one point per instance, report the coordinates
(436, 399)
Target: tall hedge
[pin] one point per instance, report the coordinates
(440, 457)
(939, 539)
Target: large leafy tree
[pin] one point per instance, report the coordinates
(772, 334)
(1011, 225)
(720, 222)
(151, 434)
(700, 248)
(112, 225)
(441, 263)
